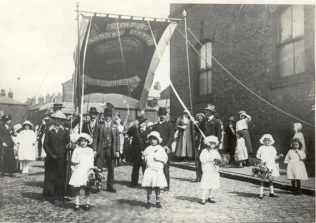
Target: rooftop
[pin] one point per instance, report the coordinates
(7, 100)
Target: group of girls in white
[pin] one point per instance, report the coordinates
(155, 158)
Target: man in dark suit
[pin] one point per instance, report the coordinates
(107, 146)
(56, 142)
(137, 146)
(209, 126)
(230, 138)
(89, 127)
(166, 131)
(7, 161)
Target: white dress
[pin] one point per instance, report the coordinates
(296, 168)
(80, 174)
(241, 150)
(210, 178)
(26, 141)
(268, 154)
(154, 175)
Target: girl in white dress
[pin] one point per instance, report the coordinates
(155, 157)
(82, 160)
(267, 155)
(296, 170)
(210, 159)
(26, 141)
(241, 153)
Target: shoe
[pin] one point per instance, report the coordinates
(196, 180)
(203, 202)
(77, 207)
(211, 201)
(111, 189)
(260, 197)
(148, 205)
(274, 195)
(158, 205)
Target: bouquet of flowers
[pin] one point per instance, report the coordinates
(217, 162)
(261, 171)
(95, 179)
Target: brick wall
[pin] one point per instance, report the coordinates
(245, 44)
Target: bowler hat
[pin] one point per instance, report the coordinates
(107, 112)
(6, 118)
(57, 107)
(141, 119)
(210, 107)
(162, 111)
(93, 111)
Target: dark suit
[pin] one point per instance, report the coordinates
(211, 127)
(166, 131)
(137, 146)
(231, 140)
(55, 146)
(106, 143)
(8, 162)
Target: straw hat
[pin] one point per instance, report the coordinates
(267, 136)
(210, 107)
(85, 136)
(200, 114)
(156, 135)
(58, 115)
(211, 139)
(27, 122)
(242, 112)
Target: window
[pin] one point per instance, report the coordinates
(291, 49)
(205, 75)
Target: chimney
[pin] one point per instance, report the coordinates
(48, 98)
(10, 94)
(2, 94)
(33, 101)
(157, 86)
(41, 99)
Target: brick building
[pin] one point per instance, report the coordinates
(269, 48)
(8, 105)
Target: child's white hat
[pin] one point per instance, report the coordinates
(211, 139)
(267, 136)
(85, 136)
(156, 135)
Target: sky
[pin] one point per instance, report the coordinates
(38, 38)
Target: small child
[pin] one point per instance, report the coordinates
(210, 159)
(267, 154)
(155, 158)
(82, 160)
(296, 170)
(241, 153)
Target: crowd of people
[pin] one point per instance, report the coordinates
(74, 159)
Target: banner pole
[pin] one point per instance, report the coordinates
(82, 75)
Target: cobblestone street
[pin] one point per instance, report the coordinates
(21, 201)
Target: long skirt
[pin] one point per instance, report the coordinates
(8, 162)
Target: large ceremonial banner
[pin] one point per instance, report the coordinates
(116, 54)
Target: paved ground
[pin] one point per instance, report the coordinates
(21, 201)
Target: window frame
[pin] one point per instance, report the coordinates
(291, 40)
(200, 70)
